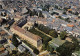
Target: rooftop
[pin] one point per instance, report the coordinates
(35, 37)
(1, 49)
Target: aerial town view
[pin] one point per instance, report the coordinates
(39, 27)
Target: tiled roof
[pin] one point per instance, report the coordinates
(69, 25)
(35, 37)
(1, 49)
(2, 32)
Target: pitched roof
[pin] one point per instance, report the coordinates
(69, 25)
(1, 49)
(2, 32)
(31, 35)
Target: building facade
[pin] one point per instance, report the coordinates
(31, 38)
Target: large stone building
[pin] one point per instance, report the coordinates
(31, 38)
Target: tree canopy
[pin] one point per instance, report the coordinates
(36, 51)
(68, 48)
(53, 33)
(15, 41)
(63, 35)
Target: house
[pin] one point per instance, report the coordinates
(4, 53)
(45, 14)
(40, 9)
(69, 28)
(24, 10)
(69, 9)
(21, 48)
(2, 33)
(68, 39)
(64, 16)
(2, 49)
(70, 25)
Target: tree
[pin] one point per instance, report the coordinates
(56, 6)
(46, 40)
(14, 52)
(64, 13)
(53, 33)
(68, 20)
(65, 8)
(44, 47)
(63, 35)
(29, 11)
(35, 24)
(49, 48)
(48, 6)
(36, 51)
(46, 29)
(40, 27)
(70, 12)
(15, 41)
(60, 17)
(32, 13)
(40, 14)
(45, 43)
(55, 13)
(35, 12)
(43, 28)
(75, 41)
(66, 49)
